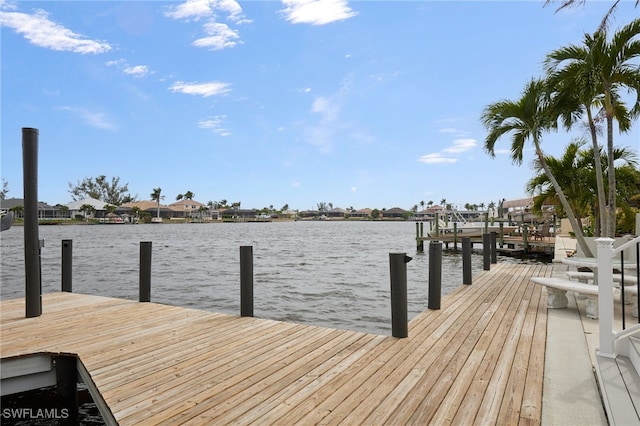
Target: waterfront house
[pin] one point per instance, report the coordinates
(16, 205)
(186, 208)
(74, 208)
(146, 206)
(394, 213)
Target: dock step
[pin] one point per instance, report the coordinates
(620, 387)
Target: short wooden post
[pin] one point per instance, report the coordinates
(246, 281)
(486, 251)
(145, 271)
(398, 271)
(435, 275)
(525, 237)
(67, 389)
(67, 265)
(494, 250)
(466, 260)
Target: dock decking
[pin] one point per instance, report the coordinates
(479, 359)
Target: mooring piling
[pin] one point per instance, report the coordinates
(246, 281)
(486, 251)
(32, 244)
(435, 275)
(145, 271)
(466, 260)
(67, 265)
(399, 317)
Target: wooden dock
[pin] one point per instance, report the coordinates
(512, 244)
(477, 360)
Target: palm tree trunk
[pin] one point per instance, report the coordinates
(602, 200)
(611, 172)
(577, 227)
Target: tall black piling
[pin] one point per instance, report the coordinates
(33, 278)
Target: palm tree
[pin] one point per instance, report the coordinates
(587, 80)
(571, 170)
(527, 119)
(88, 210)
(571, 3)
(575, 173)
(136, 211)
(156, 196)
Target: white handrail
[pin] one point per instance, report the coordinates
(605, 254)
(626, 245)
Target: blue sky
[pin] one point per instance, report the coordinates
(360, 104)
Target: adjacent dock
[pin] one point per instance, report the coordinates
(479, 359)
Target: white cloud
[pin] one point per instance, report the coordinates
(115, 62)
(461, 145)
(354, 189)
(316, 12)
(326, 108)
(43, 32)
(216, 124)
(296, 184)
(220, 36)
(94, 119)
(436, 159)
(201, 89)
(137, 71)
(192, 9)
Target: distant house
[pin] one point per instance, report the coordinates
(290, 214)
(187, 208)
(362, 213)
(146, 206)
(99, 206)
(394, 213)
(308, 214)
(336, 213)
(45, 211)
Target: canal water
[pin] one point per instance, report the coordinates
(326, 273)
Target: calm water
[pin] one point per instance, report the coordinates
(333, 274)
